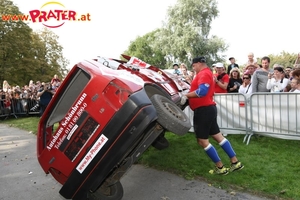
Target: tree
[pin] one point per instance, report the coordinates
(50, 53)
(284, 58)
(186, 33)
(26, 55)
(142, 47)
(15, 37)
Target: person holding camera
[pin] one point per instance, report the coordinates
(276, 80)
(235, 81)
(45, 94)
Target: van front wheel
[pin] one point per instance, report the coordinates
(170, 116)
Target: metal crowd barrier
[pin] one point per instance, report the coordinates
(269, 114)
(18, 107)
(233, 113)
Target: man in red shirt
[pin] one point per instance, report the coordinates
(221, 79)
(205, 117)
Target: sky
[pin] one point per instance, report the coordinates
(260, 26)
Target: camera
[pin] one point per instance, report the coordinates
(237, 84)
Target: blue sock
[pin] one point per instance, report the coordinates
(212, 153)
(226, 146)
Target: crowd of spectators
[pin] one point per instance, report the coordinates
(252, 78)
(26, 98)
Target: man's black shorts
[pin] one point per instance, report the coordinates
(205, 121)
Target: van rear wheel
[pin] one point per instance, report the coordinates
(111, 192)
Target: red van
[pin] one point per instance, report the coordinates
(104, 115)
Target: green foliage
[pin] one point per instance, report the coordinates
(14, 45)
(142, 47)
(26, 55)
(284, 58)
(186, 33)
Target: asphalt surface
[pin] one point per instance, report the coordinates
(22, 178)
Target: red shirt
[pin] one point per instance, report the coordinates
(224, 79)
(205, 76)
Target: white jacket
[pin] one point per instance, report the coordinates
(277, 85)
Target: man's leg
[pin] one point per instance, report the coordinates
(226, 146)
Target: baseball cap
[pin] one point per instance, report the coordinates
(200, 59)
(219, 64)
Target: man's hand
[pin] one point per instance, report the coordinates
(183, 100)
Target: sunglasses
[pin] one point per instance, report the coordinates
(245, 77)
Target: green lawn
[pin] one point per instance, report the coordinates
(271, 165)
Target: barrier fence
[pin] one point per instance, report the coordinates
(270, 114)
(18, 107)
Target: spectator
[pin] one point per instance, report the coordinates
(287, 72)
(295, 84)
(260, 76)
(221, 79)
(182, 66)
(251, 60)
(192, 74)
(296, 74)
(55, 79)
(176, 70)
(235, 81)
(232, 65)
(31, 84)
(38, 85)
(250, 69)
(287, 88)
(185, 74)
(2, 98)
(246, 88)
(6, 87)
(45, 94)
(276, 81)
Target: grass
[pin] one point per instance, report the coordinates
(271, 165)
(29, 124)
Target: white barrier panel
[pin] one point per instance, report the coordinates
(271, 114)
(232, 113)
(275, 114)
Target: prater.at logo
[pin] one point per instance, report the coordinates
(54, 14)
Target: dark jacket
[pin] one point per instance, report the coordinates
(230, 67)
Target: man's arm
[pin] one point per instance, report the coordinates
(39, 94)
(254, 82)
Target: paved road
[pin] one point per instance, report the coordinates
(21, 177)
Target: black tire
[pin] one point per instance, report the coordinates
(170, 116)
(161, 142)
(112, 192)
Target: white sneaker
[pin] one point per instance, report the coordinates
(192, 130)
